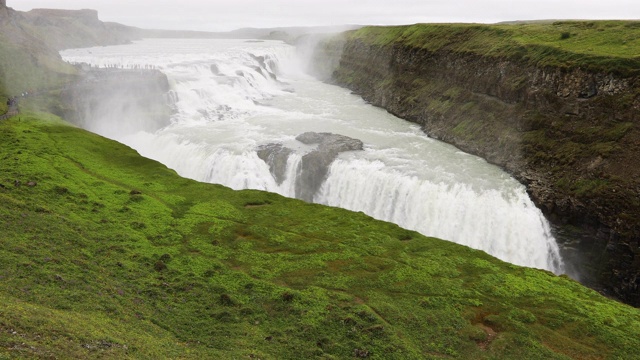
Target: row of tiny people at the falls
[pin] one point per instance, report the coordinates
(119, 66)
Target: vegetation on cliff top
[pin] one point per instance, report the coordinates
(105, 253)
(609, 46)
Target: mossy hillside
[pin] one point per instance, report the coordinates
(105, 253)
(609, 46)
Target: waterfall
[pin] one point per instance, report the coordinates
(246, 116)
(512, 227)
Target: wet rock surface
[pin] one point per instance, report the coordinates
(314, 166)
(276, 156)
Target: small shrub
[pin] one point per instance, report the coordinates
(474, 333)
(136, 198)
(160, 266)
(138, 225)
(367, 316)
(565, 35)
(60, 190)
(246, 311)
(405, 236)
(522, 316)
(225, 317)
(257, 203)
(226, 300)
(375, 330)
(288, 297)
(349, 321)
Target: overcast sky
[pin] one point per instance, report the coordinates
(216, 15)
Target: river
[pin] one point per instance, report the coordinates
(232, 98)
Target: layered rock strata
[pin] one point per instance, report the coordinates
(571, 136)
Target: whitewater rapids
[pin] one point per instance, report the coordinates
(233, 96)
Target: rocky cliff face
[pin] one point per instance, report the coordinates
(570, 135)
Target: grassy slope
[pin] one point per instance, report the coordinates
(610, 46)
(114, 255)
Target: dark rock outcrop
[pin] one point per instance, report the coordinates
(571, 136)
(276, 156)
(314, 165)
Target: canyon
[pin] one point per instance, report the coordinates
(569, 132)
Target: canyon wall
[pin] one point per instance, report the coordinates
(570, 134)
(112, 102)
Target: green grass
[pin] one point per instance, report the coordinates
(108, 254)
(609, 46)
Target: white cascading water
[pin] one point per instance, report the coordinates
(234, 96)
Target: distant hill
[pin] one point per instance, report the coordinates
(287, 34)
(27, 57)
(63, 29)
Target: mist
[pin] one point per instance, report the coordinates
(117, 101)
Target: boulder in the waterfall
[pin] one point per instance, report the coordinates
(215, 70)
(310, 138)
(276, 156)
(330, 142)
(315, 164)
